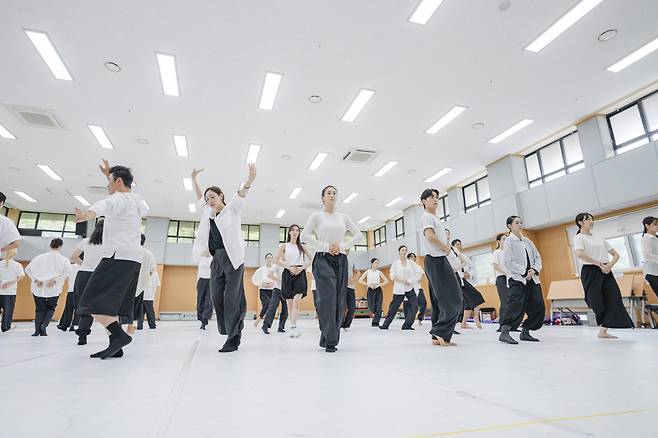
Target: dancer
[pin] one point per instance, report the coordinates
(350, 294)
(149, 298)
(91, 251)
(602, 292)
(48, 271)
(11, 272)
(111, 287)
(501, 277)
(473, 299)
(203, 299)
(422, 301)
(294, 258)
(374, 279)
(265, 283)
(404, 277)
(220, 233)
(522, 262)
(66, 321)
(649, 243)
(147, 269)
(9, 235)
(445, 293)
(275, 273)
(326, 231)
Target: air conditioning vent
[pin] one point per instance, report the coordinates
(311, 206)
(360, 156)
(59, 192)
(39, 117)
(97, 189)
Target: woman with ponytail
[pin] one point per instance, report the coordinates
(649, 244)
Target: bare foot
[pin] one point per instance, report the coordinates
(130, 329)
(478, 324)
(441, 342)
(606, 335)
(451, 344)
(465, 326)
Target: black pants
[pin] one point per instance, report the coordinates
(330, 273)
(375, 300)
(445, 296)
(149, 311)
(7, 304)
(472, 297)
(203, 300)
(84, 322)
(227, 291)
(265, 297)
(138, 309)
(44, 311)
(603, 296)
(503, 295)
(67, 315)
(524, 299)
(350, 302)
(276, 299)
(653, 282)
(395, 306)
(422, 306)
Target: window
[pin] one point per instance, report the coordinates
(251, 234)
(635, 124)
(621, 245)
(380, 236)
(483, 272)
(399, 228)
(443, 212)
(476, 194)
(363, 245)
(50, 224)
(182, 231)
(554, 160)
(283, 233)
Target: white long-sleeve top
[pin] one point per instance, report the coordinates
(418, 275)
(649, 243)
(515, 260)
(46, 267)
(8, 231)
(203, 267)
(10, 270)
(262, 276)
(92, 255)
(322, 229)
(400, 274)
(71, 278)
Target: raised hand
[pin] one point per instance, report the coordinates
(80, 216)
(196, 172)
(252, 174)
(105, 168)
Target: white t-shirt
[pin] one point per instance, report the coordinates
(498, 260)
(45, 267)
(261, 276)
(203, 266)
(418, 275)
(71, 278)
(593, 246)
(10, 270)
(428, 220)
(373, 277)
(149, 265)
(323, 229)
(92, 255)
(122, 229)
(649, 243)
(399, 273)
(151, 289)
(278, 271)
(8, 231)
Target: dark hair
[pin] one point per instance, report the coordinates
(268, 254)
(124, 173)
(498, 237)
(56, 243)
(647, 221)
(411, 255)
(3, 198)
(300, 247)
(427, 193)
(402, 246)
(216, 190)
(143, 239)
(509, 221)
(96, 237)
(373, 260)
(327, 188)
(581, 217)
(455, 241)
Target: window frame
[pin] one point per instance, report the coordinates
(49, 232)
(444, 203)
(398, 234)
(377, 234)
(251, 242)
(177, 236)
(479, 202)
(544, 176)
(362, 247)
(618, 148)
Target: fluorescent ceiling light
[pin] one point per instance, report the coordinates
(191, 208)
(424, 11)
(168, 75)
(82, 200)
(393, 201)
(514, 129)
(49, 54)
(561, 25)
(439, 174)
(295, 192)
(49, 171)
(635, 56)
(350, 197)
(4, 133)
(447, 118)
(101, 136)
(317, 161)
(180, 141)
(187, 184)
(357, 105)
(252, 154)
(270, 89)
(25, 196)
(386, 167)
(280, 214)
(363, 219)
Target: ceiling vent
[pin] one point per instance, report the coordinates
(101, 190)
(36, 117)
(59, 192)
(359, 156)
(311, 206)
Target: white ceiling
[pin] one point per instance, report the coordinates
(470, 53)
